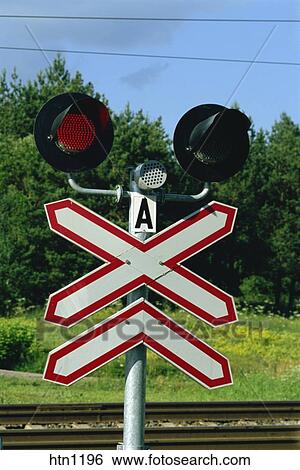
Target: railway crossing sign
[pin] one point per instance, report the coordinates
(211, 143)
(131, 263)
(140, 322)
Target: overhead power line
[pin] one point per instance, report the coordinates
(147, 56)
(135, 18)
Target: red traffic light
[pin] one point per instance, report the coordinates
(73, 132)
(211, 142)
(76, 133)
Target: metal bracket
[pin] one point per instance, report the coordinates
(119, 193)
(188, 197)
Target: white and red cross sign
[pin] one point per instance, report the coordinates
(129, 264)
(138, 323)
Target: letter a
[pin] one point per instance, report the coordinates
(144, 216)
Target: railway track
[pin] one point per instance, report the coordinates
(196, 438)
(274, 427)
(155, 411)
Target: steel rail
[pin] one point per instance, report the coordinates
(209, 437)
(172, 411)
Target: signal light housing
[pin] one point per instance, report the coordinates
(211, 142)
(150, 175)
(73, 132)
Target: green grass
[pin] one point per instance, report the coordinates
(263, 353)
(172, 387)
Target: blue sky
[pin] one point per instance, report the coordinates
(163, 86)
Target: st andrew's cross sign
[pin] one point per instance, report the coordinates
(129, 264)
(138, 323)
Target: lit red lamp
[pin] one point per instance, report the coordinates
(74, 132)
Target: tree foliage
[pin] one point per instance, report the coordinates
(267, 194)
(257, 261)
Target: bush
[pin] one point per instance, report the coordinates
(255, 289)
(17, 341)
